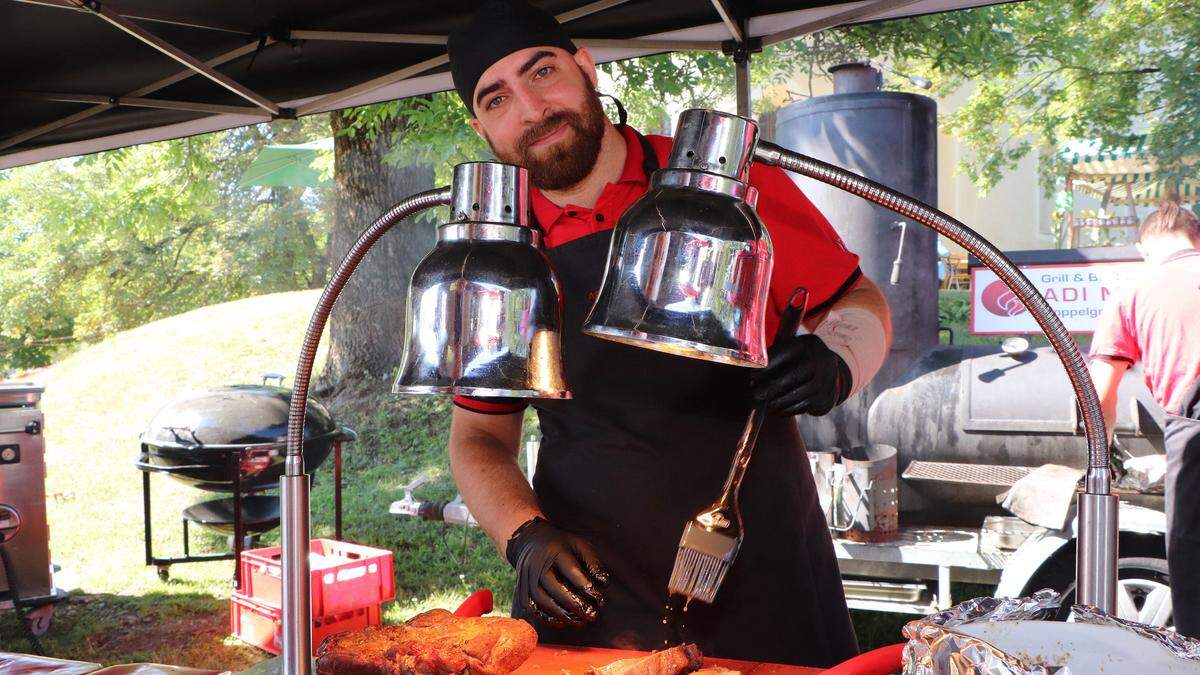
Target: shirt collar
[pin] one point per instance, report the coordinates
(1185, 253)
(547, 212)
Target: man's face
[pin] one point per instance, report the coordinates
(538, 108)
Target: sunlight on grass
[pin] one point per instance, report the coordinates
(100, 399)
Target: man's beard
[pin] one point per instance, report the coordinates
(568, 161)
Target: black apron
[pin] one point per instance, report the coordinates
(1182, 487)
(642, 448)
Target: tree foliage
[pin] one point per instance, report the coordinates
(105, 242)
(1045, 72)
(102, 243)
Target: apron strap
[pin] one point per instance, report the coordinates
(649, 157)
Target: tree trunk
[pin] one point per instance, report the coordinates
(366, 328)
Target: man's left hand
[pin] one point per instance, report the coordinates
(802, 376)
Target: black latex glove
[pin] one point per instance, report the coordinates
(559, 577)
(802, 376)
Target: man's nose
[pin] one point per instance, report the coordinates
(534, 108)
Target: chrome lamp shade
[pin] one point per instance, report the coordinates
(689, 265)
(485, 307)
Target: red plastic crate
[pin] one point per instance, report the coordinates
(345, 576)
(261, 624)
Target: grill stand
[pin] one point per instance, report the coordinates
(235, 456)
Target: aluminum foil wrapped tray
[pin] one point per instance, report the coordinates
(1013, 636)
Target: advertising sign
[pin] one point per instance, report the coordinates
(1075, 291)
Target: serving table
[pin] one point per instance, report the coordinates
(554, 660)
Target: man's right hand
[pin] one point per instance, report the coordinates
(559, 576)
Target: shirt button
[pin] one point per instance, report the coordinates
(599, 217)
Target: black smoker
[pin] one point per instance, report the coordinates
(233, 440)
(967, 420)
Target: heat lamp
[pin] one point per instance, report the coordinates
(689, 268)
(485, 318)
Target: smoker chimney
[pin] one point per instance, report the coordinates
(891, 137)
(856, 77)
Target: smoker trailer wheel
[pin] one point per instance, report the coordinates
(1143, 593)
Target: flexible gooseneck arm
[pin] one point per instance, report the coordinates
(294, 486)
(1098, 506)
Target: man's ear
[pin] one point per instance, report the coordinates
(587, 64)
(474, 122)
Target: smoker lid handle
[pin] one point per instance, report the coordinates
(158, 468)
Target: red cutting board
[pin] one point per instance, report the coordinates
(552, 660)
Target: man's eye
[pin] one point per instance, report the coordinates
(494, 102)
(543, 71)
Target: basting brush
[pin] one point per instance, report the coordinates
(711, 540)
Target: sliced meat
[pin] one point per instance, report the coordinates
(432, 643)
(674, 661)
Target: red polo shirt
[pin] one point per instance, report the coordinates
(1157, 321)
(808, 251)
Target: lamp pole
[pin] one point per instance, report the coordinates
(1096, 560)
(294, 485)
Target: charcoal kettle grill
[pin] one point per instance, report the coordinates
(232, 440)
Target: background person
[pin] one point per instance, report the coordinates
(1156, 323)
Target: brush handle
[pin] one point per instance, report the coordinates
(789, 323)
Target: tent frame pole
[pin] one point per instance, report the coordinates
(739, 47)
(862, 13)
(150, 88)
(415, 39)
(114, 18)
(144, 16)
(139, 102)
(741, 65)
(732, 20)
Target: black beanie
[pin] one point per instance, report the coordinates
(499, 28)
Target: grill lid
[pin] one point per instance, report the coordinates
(234, 415)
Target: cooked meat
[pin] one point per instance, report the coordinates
(678, 660)
(433, 643)
(717, 670)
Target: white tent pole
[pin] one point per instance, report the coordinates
(382, 38)
(731, 20)
(114, 18)
(860, 13)
(590, 8)
(415, 39)
(138, 102)
(652, 44)
(142, 16)
(327, 102)
(150, 88)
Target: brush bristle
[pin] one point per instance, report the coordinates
(697, 575)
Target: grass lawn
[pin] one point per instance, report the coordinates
(100, 399)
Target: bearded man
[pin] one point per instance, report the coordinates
(646, 441)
